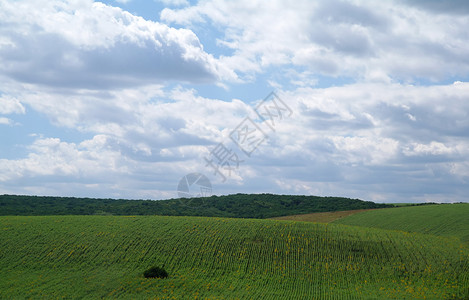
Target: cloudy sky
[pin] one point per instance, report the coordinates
(123, 98)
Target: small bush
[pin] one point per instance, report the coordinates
(155, 272)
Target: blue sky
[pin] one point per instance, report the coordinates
(122, 99)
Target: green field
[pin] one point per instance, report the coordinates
(320, 217)
(443, 220)
(214, 258)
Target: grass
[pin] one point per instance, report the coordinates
(406, 204)
(443, 220)
(215, 258)
(322, 217)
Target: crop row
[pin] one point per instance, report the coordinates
(104, 256)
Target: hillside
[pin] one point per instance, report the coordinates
(443, 219)
(234, 206)
(321, 217)
(105, 256)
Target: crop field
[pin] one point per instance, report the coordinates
(215, 258)
(321, 217)
(442, 220)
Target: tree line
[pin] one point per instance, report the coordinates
(236, 205)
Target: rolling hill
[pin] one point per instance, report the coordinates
(320, 217)
(443, 220)
(218, 258)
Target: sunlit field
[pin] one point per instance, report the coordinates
(105, 256)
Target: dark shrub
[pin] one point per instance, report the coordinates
(155, 272)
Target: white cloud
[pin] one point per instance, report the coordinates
(88, 44)
(361, 39)
(10, 105)
(53, 157)
(434, 148)
(366, 150)
(355, 140)
(5, 121)
(100, 76)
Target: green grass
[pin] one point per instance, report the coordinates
(212, 258)
(442, 220)
(403, 204)
(322, 217)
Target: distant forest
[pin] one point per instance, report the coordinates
(235, 206)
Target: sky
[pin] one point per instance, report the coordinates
(128, 98)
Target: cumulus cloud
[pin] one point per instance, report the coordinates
(5, 121)
(354, 140)
(52, 164)
(350, 141)
(143, 139)
(100, 77)
(88, 44)
(10, 105)
(361, 39)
